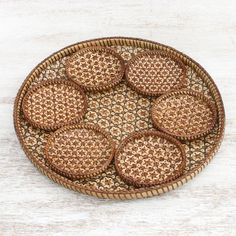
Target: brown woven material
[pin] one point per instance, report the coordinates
(155, 72)
(184, 114)
(54, 103)
(95, 68)
(79, 151)
(119, 111)
(149, 158)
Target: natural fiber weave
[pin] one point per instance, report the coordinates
(54, 103)
(184, 114)
(149, 158)
(95, 68)
(155, 72)
(79, 151)
(199, 152)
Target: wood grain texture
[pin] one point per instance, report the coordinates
(31, 204)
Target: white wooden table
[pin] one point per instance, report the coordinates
(31, 204)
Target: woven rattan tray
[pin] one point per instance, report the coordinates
(120, 111)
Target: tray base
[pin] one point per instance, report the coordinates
(120, 111)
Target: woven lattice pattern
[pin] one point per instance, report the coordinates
(51, 105)
(119, 111)
(155, 73)
(79, 151)
(95, 68)
(149, 158)
(185, 115)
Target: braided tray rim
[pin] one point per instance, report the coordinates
(185, 92)
(140, 134)
(102, 87)
(54, 82)
(182, 80)
(112, 41)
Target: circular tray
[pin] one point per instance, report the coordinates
(120, 111)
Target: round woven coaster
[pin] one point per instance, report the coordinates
(155, 72)
(149, 158)
(54, 103)
(184, 114)
(95, 68)
(79, 151)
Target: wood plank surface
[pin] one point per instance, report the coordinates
(31, 204)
